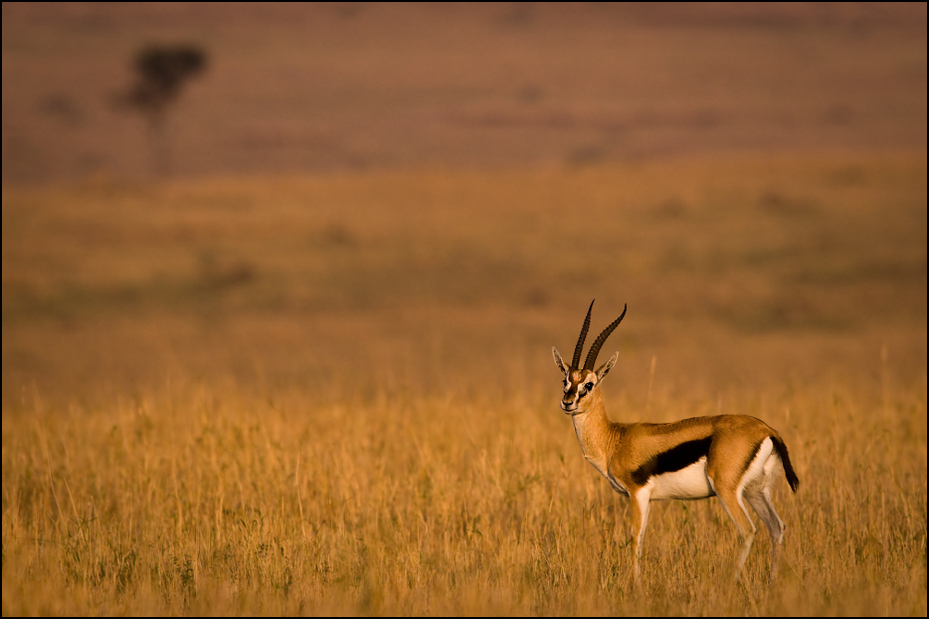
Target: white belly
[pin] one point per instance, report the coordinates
(687, 483)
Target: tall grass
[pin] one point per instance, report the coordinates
(336, 395)
(191, 501)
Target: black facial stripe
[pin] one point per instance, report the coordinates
(580, 389)
(674, 459)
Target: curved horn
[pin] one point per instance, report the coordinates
(580, 341)
(595, 347)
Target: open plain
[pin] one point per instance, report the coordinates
(309, 371)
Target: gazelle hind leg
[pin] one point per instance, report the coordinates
(760, 500)
(734, 488)
(732, 503)
(761, 503)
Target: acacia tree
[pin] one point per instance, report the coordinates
(161, 71)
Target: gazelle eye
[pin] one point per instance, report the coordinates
(589, 386)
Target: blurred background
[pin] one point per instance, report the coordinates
(391, 194)
(356, 86)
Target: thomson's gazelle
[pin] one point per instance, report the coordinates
(733, 457)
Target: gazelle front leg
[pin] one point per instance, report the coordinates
(642, 500)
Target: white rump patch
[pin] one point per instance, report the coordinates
(759, 468)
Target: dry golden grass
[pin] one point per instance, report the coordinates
(336, 395)
(201, 501)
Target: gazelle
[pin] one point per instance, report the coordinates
(733, 457)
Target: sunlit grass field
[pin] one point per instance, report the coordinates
(335, 394)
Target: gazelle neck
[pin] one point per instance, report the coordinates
(593, 428)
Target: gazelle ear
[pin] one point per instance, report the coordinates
(559, 361)
(606, 367)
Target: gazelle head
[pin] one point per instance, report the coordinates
(580, 383)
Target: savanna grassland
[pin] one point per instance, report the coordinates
(335, 393)
(306, 367)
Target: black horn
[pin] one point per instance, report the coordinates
(595, 347)
(580, 341)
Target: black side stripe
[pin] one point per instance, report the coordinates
(674, 459)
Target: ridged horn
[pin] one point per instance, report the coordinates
(580, 341)
(595, 347)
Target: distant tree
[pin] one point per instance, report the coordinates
(161, 71)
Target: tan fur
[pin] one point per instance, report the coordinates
(734, 470)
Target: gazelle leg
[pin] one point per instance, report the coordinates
(761, 503)
(732, 503)
(642, 500)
